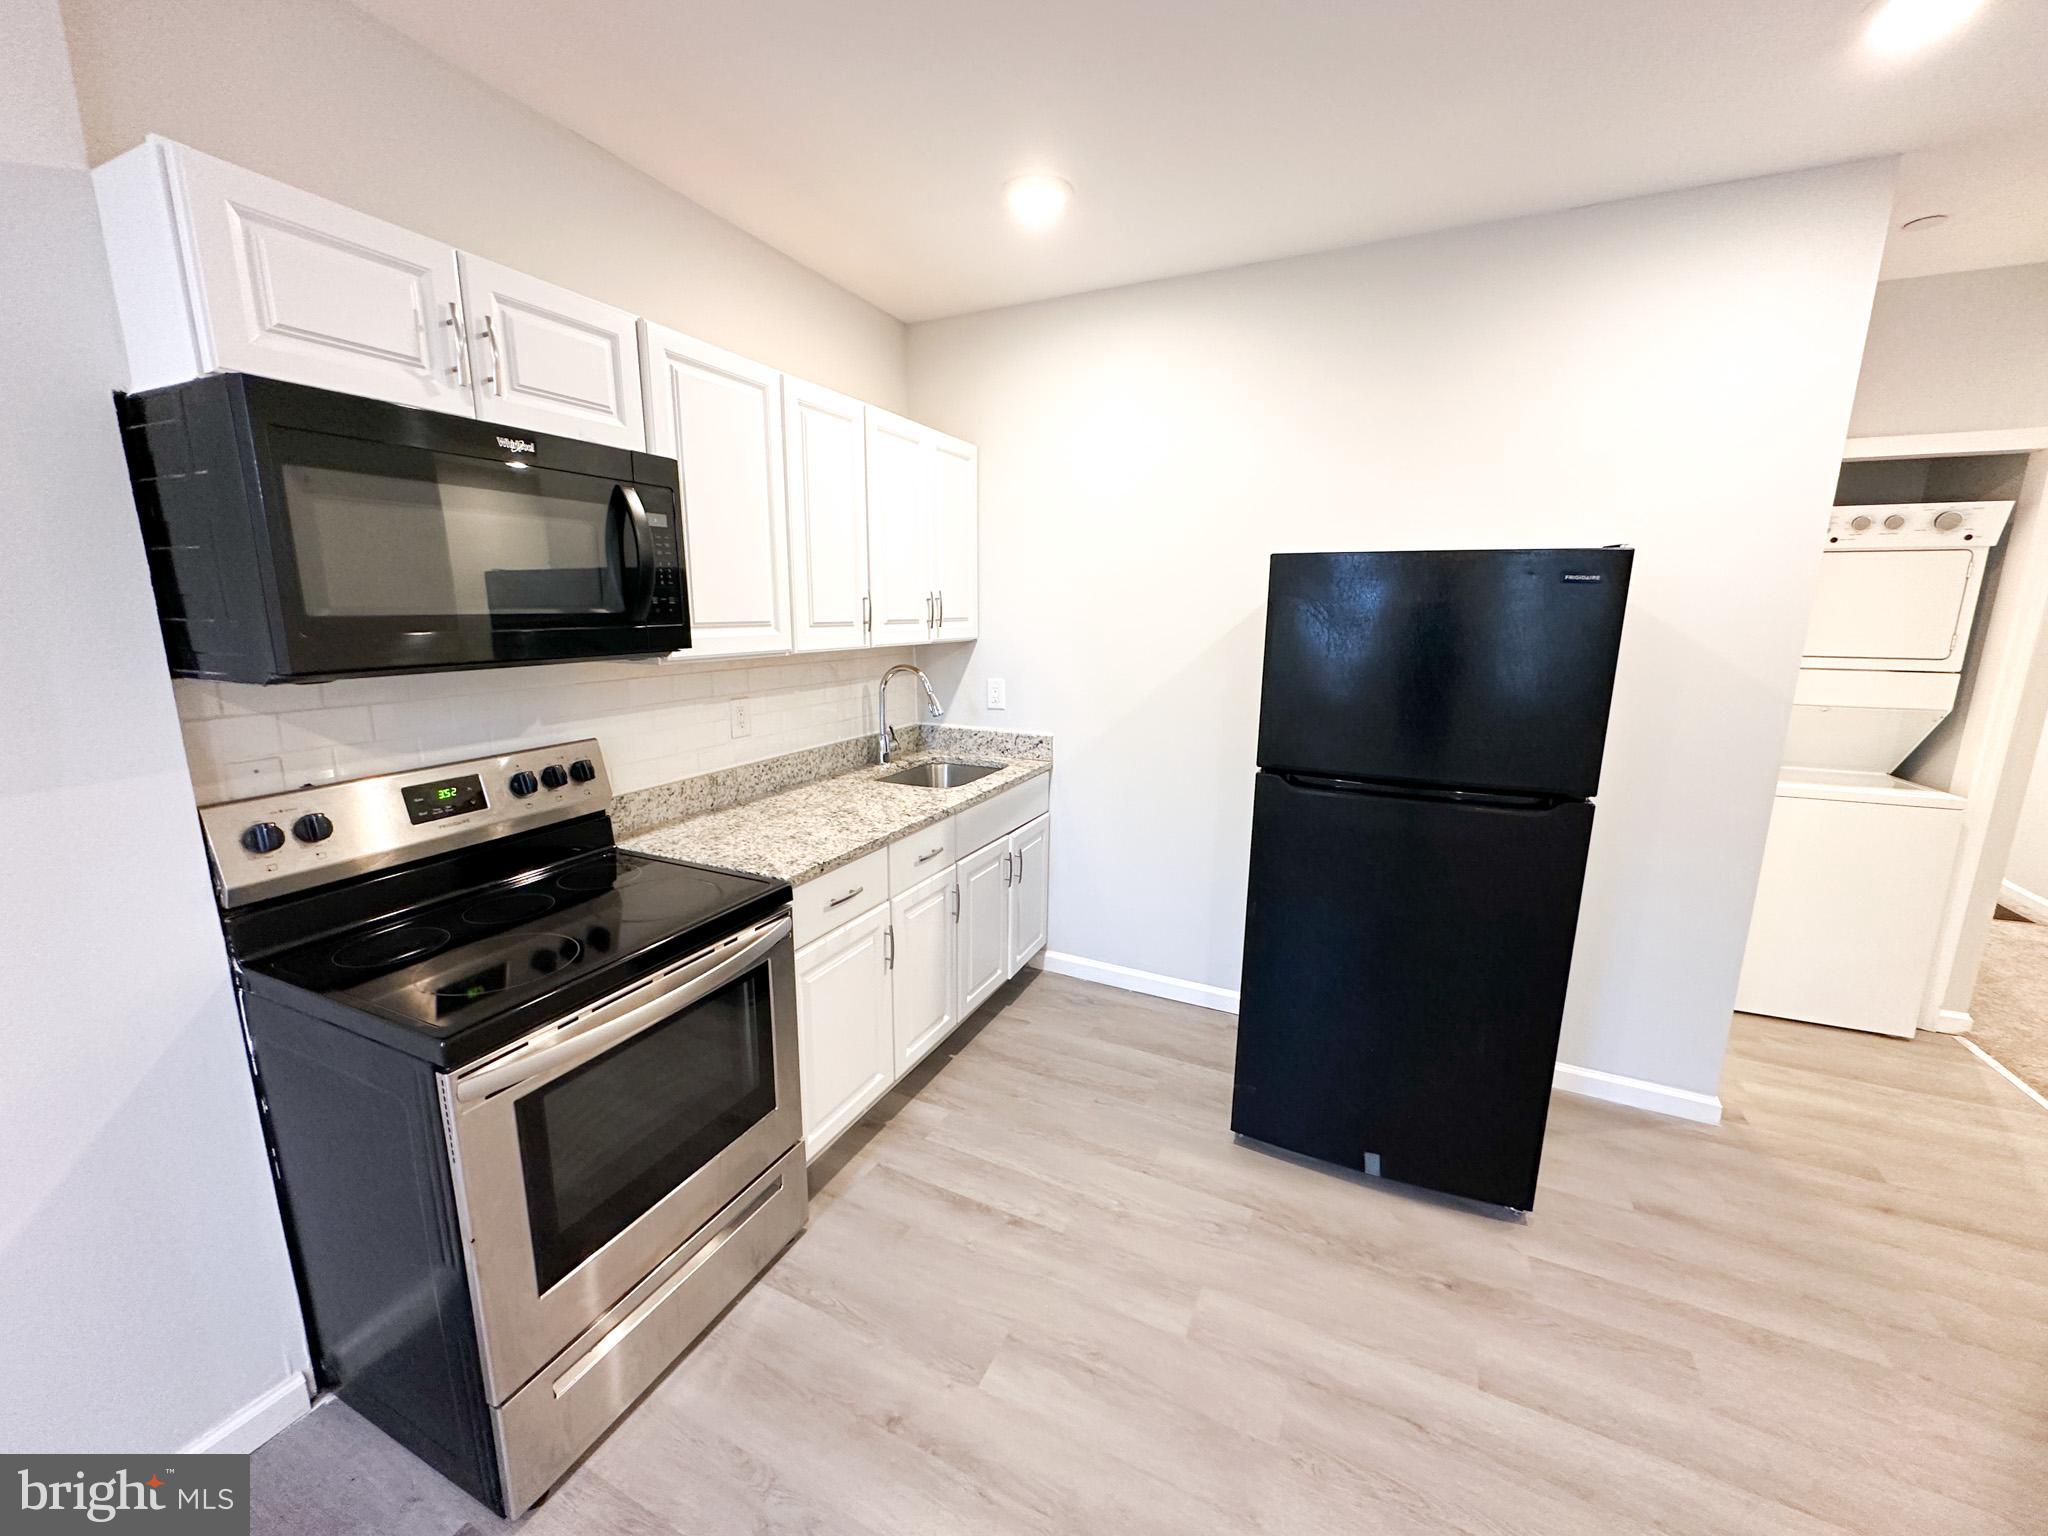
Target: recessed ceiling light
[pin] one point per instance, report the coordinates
(1037, 202)
(1926, 221)
(1900, 26)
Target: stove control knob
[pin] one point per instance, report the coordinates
(1895, 522)
(553, 776)
(523, 784)
(312, 828)
(583, 770)
(263, 837)
(1947, 520)
(1859, 522)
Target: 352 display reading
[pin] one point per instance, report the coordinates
(444, 797)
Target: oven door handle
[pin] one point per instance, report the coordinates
(633, 519)
(697, 979)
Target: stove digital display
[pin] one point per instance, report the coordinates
(443, 798)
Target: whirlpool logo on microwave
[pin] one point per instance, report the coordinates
(181, 1496)
(516, 445)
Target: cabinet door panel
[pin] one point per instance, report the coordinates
(826, 458)
(294, 287)
(719, 416)
(900, 484)
(956, 537)
(923, 980)
(1029, 885)
(845, 1030)
(550, 359)
(984, 937)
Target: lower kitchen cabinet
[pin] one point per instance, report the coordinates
(984, 938)
(1029, 886)
(846, 1033)
(922, 978)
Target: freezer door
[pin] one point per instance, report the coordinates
(1484, 669)
(1404, 978)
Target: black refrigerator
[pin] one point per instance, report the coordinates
(1430, 732)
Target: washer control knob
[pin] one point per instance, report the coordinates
(1895, 522)
(523, 784)
(583, 770)
(312, 828)
(1859, 522)
(553, 776)
(1947, 520)
(263, 837)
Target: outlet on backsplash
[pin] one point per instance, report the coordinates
(742, 722)
(998, 694)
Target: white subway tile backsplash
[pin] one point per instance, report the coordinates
(655, 722)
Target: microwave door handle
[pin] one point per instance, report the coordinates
(640, 590)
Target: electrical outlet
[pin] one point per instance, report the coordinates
(998, 695)
(742, 718)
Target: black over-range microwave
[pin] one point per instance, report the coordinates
(297, 534)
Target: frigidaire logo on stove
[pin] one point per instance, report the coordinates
(1568, 575)
(199, 1495)
(515, 445)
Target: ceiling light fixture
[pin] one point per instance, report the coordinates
(1900, 26)
(1036, 202)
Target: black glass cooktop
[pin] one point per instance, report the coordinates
(475, 956)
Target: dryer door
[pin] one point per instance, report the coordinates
(1892, 605)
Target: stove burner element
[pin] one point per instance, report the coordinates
(381, 951)
(512, 907)
(600, 876)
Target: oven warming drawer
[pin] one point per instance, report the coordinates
(551, 1421)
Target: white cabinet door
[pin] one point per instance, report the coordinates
(900, 484)
(719, 416)
(1029, 886)
(826, 457)
(293, 287)
(846, 1042)
(956, 537)
(923, 978)
(984, 937)
(550, 360)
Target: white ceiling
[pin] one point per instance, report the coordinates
(870, 138)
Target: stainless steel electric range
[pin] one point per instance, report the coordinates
(531, 1098)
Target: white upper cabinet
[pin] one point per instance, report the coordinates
(719, 416)
(900, 487)
(219, 269)
(956, 537)
(550, 360)
(826, 459)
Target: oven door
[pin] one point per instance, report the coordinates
(592, 1150)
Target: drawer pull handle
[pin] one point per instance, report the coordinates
(840, 901)
(926, 858)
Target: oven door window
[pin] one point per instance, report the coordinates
(602, 1145)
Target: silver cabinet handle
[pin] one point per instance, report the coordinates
(942, 607)
(497, 357)
(460, 345)
(1020, 866)
(926, 858)
(840, 901)
(867, 613)
(928, 610)
(888, 949)
(956, 903)
(1009, 864)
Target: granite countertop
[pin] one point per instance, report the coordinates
(801, 833)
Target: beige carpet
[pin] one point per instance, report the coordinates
(2010, 1010)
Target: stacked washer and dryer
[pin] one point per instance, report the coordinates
(1858, 863)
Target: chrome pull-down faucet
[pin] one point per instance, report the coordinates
(882, 703)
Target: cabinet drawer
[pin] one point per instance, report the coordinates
(980, 825)
(822, 904)
(921, 855)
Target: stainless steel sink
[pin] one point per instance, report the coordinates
(940, 775)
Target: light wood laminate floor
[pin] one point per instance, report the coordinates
(1044, 1290)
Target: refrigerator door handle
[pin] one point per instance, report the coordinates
(1319, 784)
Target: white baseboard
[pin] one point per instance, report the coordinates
(1585, 1081)
(2023, 901)
(2004, 1071)
(1951, 1021)
(257, 1420)
(1638, 1093)
(1151, 983)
